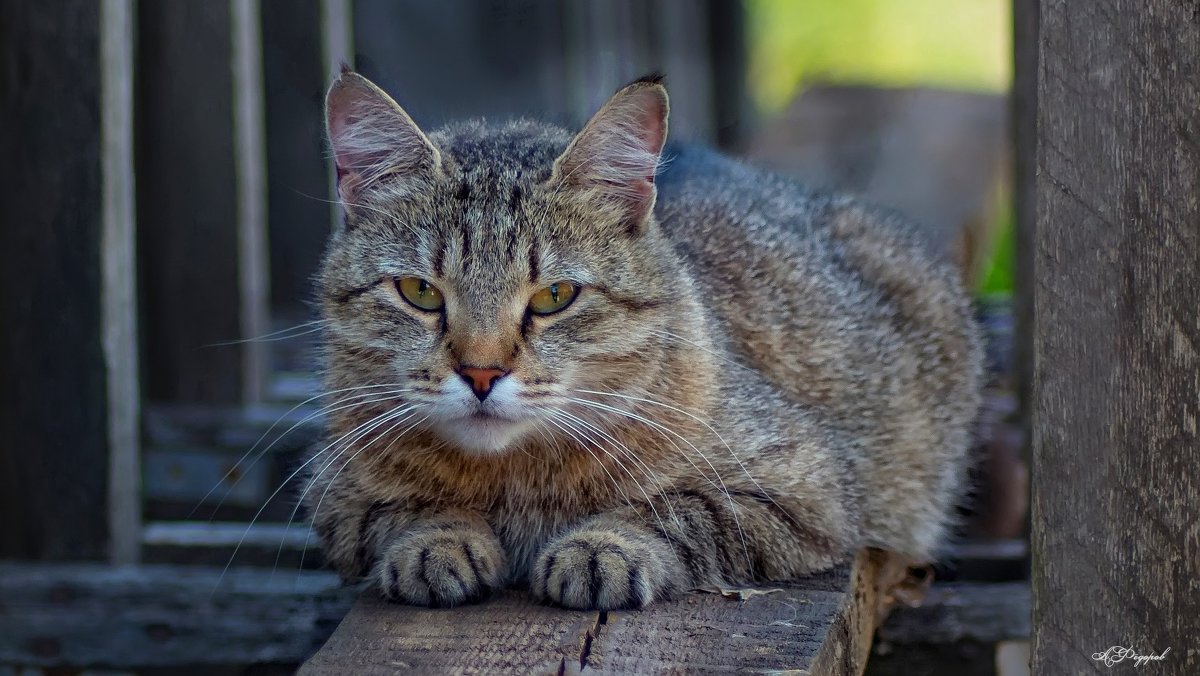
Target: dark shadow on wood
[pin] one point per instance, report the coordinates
(53, 402)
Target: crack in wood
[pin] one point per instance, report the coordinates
(592, 634)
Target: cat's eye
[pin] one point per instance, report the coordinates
(420, 293)
(553, 298)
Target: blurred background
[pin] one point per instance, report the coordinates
(166, 198)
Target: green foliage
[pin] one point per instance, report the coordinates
(998, 276)
(956, 44)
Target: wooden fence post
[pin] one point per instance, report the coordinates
(1116, 536)
(69, 400)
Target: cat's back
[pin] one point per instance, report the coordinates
(839, 303)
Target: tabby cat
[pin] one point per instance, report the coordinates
(615, 374)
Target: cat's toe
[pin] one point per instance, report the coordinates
(441, 569)
(601, 569)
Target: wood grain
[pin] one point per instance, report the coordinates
(1116, 539)
(118, 250)
(822, 625)
(134, 617)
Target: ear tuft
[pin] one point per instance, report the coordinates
(372, 137)
(616, 155)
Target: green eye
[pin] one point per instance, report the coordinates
(553, 298)
(420, 293)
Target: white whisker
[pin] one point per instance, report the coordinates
(642, 466)
(276, 492)
(553, 420)
(275, 336)
(328, 408)
(346, 464)
(723, 489)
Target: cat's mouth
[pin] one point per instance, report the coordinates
(482, 432)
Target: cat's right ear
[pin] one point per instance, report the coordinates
(614, 159)
(374, 140)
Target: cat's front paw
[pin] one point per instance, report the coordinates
(603, 569)
(441, 568)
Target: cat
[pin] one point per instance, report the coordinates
(615, 374)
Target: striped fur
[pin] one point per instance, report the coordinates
(752, 382)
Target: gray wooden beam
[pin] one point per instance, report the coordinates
(1023, 129)
(134, 617)
(822, 625)
(54, 407)
(250, 171)
(337, 48)
(118, 248)
(1116, 398)
(962, 611)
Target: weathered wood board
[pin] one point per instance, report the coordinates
(134, 617)
(1116, 391)
(54, 427)
(822, 625)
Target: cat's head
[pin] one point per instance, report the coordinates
(489, 277)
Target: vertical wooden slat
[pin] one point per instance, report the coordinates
(118, 249)
(187, 203)
(54, 436)
(610, 44)
(1023, 127)
(732, 111)
(337, 35)
(683, 52)
(250, 169)
(337, 48)
(602, 52)
(1116, 538)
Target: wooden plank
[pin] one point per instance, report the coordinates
(274, 546)
(137, 617)
(250, 168)
(54, 407)
(119, 280)
(610, 44)
(187, 203)
(682, 49)
(822, 625)
(1024, 134)
(963, 611)
(337, 48)
(603, 51)
(733, 113)
(1116, 541)
(509, 634)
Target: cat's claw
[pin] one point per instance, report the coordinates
(601, 569)
(441, 568)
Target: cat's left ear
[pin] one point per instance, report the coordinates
(614, 159)
(373, 139)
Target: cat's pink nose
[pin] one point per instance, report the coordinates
(481, 379)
